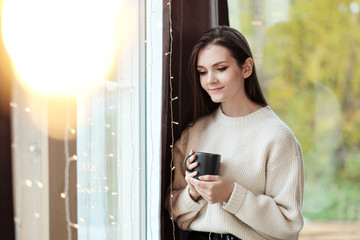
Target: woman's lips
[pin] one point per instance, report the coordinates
(215, 90)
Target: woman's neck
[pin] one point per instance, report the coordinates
(238, 109)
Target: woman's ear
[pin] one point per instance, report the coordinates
(247, 67)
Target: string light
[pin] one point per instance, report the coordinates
(13, 104)
(28, 183)
(68, 160)
(129, 118)
(172, 120)
(40, 185)
(150, 121)
(31, 148)
(74, 225)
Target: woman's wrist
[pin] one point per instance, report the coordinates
(194, 196)
(230, 192)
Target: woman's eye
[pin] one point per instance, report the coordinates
(202, 72)
(222, 69)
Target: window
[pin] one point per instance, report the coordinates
(105, 183)
(306, 54)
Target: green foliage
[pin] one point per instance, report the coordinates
(332, 202)
(310, 71)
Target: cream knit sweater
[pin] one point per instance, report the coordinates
(261, 155)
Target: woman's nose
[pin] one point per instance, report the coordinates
(211, 78)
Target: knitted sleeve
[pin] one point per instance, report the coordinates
(182, 208)
(276, 214)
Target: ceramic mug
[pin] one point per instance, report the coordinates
(208, 163)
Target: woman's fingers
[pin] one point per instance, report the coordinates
(189, 177)
(192, 158)
(191, 174)
(190, 164)
(193, 165)
(213, 188)
(209, 178)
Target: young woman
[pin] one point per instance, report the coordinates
(258, 193)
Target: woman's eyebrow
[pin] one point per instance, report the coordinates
(215, 64)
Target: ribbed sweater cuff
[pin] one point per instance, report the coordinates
(190, 204)
(236, 199)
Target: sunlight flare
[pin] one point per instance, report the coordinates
(61, 47)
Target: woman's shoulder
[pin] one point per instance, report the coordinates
(195, 129)
(283, 144)
(275, 126)
(201, 122)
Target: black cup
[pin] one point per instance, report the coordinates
(209, 163)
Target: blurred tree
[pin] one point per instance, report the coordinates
(311, 66)
(307, 54)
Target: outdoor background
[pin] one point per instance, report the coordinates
(307, 55)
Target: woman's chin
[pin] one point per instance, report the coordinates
(216, 100)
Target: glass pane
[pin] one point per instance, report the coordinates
(110, 183)
(154, 58)
(307, 54)
(30, 164)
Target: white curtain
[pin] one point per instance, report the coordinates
(119, 137)
(118, 143)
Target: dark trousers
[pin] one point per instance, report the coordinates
(210, 236)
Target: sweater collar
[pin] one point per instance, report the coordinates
(258, 114)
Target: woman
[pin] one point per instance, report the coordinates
(258, 193)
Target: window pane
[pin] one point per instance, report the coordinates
(109, 143)
(307, 58)
(117, 133)
(154, 52)
(30, 164)
(118, 136)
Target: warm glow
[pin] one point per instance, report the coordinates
(61, 47)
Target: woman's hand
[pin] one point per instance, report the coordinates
(213, 188)
(192, 190)
(190, 164)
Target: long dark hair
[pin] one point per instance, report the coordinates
(234, 41)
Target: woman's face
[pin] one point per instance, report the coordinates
(220, 75)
